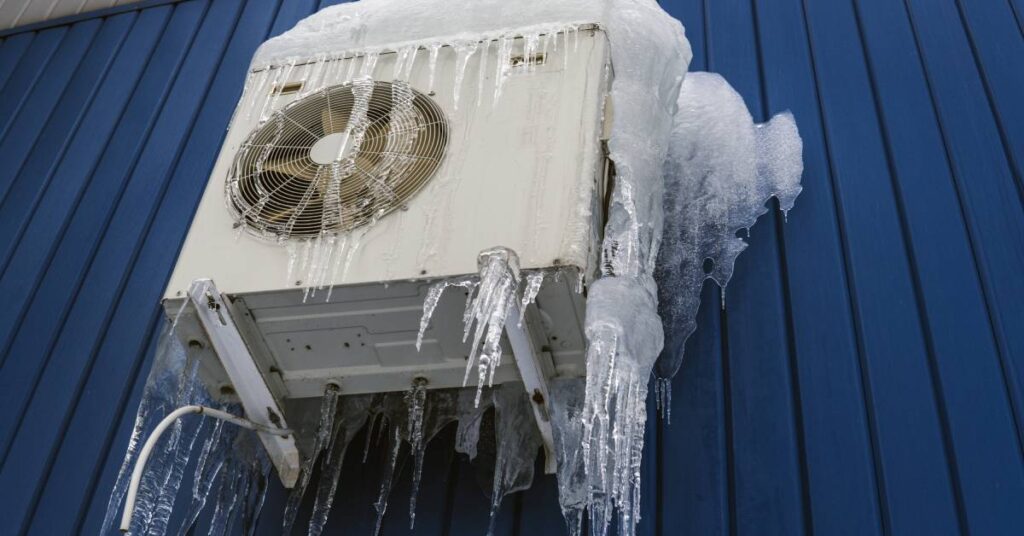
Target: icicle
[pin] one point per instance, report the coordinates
(232, 480)
(429, 304)
(324, 433)
(374, 421)
(463, 52)
(248, 448)
(567, 402)
(165, 470)
(533, 283)
(433, 297)
(504, 63)
(211, 459)
(381, 505)
(351, 416)
(619, 362)
(488, 310)
(517, 440)
(663, 396)
(416, 399)
(469, 416)
(435, 49)
(482, 74)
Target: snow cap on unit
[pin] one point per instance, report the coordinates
(392, 24)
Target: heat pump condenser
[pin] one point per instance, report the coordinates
(413, 180)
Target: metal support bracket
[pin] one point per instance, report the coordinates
(532, 371)
(259, 403)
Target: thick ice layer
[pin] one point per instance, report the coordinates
(231, 466)
(322, 438)
(517, 440)
(620, 357)
(350, 417)
(567, 402)
(721, 170)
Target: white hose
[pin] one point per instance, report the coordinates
(147, 448)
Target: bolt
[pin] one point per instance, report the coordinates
(538, 397)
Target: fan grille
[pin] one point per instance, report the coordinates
(336, 160)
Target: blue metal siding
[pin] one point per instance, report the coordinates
(865, 378)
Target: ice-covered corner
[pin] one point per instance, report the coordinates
(437, 214)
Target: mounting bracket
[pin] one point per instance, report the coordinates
(535, 380)
(259, 403)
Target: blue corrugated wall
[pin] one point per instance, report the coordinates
(865, 378)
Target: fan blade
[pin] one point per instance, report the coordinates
(301, 167)
(332, 121)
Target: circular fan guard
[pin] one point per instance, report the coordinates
(281, 185)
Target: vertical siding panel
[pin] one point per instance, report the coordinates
(997, 43)
(92, 505)
(19, 282)
(22, 131)
(12, 50)
(838, 429)
(993, 213)
(15, 149)
(73, 355)
(47, 311)
(33, 179)
(765, 444)
(923, 492)
(990, 197)
(74, 173)
(987, 450)
(30, 67)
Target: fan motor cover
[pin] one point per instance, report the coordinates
(335, 160)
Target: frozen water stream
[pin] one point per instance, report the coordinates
(720, 172)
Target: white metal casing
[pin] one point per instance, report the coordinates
(527, 174)
(520, 174)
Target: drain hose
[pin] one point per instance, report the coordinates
(147, 448)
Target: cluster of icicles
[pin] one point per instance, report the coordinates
(318, 263)
(228, 467)
(487, 310)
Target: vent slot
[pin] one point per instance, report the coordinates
(526, 61)
(288, 88)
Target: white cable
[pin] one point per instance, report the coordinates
(147, 448)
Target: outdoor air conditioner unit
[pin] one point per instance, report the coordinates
(527, 173)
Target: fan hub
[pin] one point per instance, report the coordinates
(331, 148)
